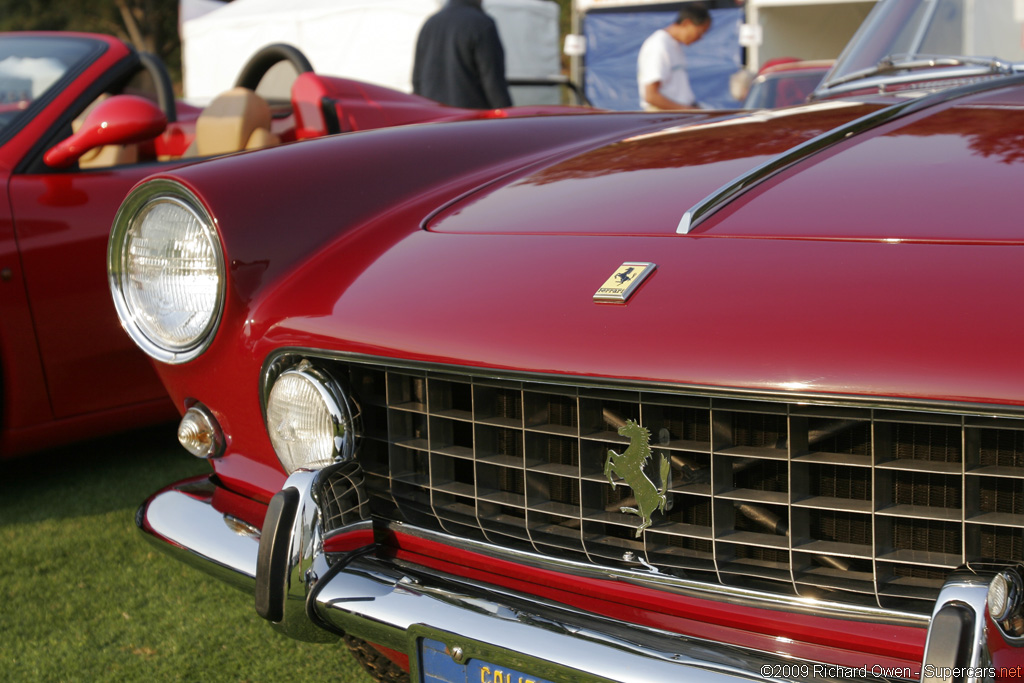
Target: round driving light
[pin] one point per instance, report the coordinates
(998, 597)
(1004, 595)
(166, 271)
(309, 420)
(200, 434)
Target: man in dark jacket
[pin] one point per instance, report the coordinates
(459, 59)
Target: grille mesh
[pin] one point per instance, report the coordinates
(342, 498)
(859, 505)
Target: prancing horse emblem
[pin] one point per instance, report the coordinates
(624, 276)
(623, 282)
(629, 467)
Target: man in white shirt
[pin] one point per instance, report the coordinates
(661, 65)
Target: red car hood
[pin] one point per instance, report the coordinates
(844, 274)
(875, 186)
(816, 282)
(893, 296)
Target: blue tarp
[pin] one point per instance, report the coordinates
(613, 43)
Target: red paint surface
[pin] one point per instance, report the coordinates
(67, 368)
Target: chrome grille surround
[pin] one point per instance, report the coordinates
(862, 503)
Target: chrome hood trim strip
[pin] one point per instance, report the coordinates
(731, 191)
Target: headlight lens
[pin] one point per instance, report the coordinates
(166, 271)
(309, 420)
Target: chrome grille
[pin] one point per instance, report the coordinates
(342, 497)
(866, 505)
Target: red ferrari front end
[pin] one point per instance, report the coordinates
(608, 397)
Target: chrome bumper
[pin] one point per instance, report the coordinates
(310, 595)
(181, 521)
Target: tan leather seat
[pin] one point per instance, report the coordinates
(236, 120)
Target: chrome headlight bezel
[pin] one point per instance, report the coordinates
(339, 410)
(134, 208)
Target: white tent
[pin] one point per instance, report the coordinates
(369, 40)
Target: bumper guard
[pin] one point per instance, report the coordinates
(311, 595)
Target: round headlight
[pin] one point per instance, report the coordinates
(309, 420)
(166, 271)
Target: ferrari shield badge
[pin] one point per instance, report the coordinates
(629, 466)
(623, 282)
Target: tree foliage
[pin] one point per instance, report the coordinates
(564, 16)
(149, 25)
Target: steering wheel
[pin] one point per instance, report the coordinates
(259, 64)
(164, 89)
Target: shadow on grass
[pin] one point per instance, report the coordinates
(85, 598)
(93, 477)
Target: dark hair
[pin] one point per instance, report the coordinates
(695, 12)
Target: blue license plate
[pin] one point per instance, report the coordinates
(437, 666)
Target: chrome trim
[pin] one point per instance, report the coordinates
(413, 462)
(208, 422)
(951, 67)
(1010, 620)
(732, 190)
(336, 400)
(620, 292)
(965, 594)
(307, 562)
(185, 524)
(913, 84)
(1008, 584)
(182, 521)
(395, 605)
(595, 382)
(741, 597)
(161, 189)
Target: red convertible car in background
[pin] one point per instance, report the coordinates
(83, 118)
(620, 397)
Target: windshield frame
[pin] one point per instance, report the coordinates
(886, 51)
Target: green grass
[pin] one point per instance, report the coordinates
(83, 597)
